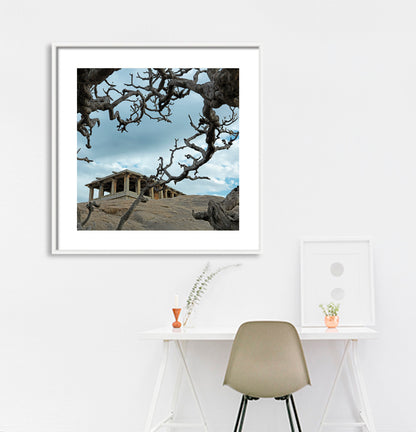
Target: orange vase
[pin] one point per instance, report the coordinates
(331, 321)
(176, 323)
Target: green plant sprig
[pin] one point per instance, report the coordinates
(330, 309)
(200, 287)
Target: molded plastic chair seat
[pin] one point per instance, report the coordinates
(267, 361)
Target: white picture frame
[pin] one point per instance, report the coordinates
(338, 270)
(66, 58)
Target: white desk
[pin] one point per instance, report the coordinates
(350, 335)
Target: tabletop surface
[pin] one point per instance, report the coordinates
(224, 333)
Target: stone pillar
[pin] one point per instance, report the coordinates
(126, 183)
(138, 187)
(161, 194)
(152, 193)
(101, 193)
(91, 197)
(113, 186)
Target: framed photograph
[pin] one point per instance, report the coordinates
(338, 271)
(164, 156)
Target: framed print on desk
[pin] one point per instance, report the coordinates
(340, 271)
(163, 159)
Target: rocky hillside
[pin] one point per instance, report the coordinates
(165, 214)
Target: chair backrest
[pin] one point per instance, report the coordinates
(267, 360)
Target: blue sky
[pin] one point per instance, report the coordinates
(140, 148)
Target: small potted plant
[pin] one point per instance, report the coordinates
(331, 314)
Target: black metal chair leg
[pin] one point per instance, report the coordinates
(239, 414)
(243, 407)
(289, 414)
(243, 414)
(296, 413)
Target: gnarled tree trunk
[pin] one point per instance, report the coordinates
(225, 215)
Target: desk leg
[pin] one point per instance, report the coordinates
(168, 421)
(158, 386)
(365, 404)
(179, 376)
(331, 394)
(192, 385)
(350, 352)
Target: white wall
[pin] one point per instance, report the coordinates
(339, 126)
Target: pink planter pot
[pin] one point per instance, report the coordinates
(332, 321)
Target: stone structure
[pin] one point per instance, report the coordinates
(126, 184)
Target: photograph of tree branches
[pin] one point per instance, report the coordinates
(158, 149)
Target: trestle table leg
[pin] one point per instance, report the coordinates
(191, 383)
(158, 386)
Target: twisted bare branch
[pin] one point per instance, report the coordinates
(150, 94)
(90, 206)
